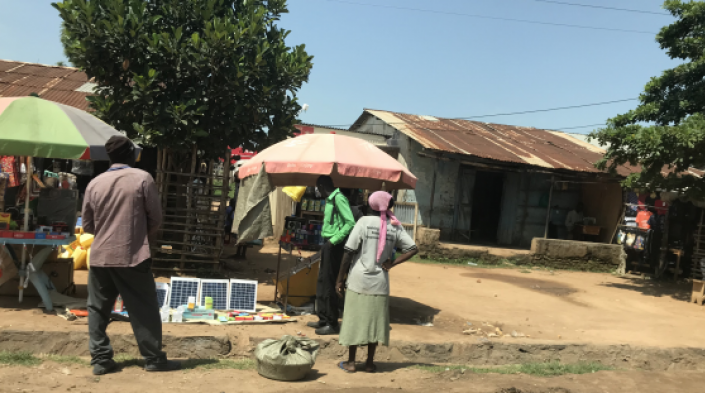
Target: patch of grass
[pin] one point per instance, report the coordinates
(470, 262)
(219, 364)
(66, 359)
(550, 369)
(19, 359)
(125, 361)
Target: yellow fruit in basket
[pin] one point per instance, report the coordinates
(79, 259)
(88, 259)
(86, 240)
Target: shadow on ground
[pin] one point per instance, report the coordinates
(655, 288)
(410, 312)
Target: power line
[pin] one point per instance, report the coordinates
(546, 110)
(477, 16)
(560, 108)
(603, 7)
(576, 127)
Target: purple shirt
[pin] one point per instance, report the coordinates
(122, 209)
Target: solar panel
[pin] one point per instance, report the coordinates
(218, 290)
(181, 289)
(243, 295)
(162, 293)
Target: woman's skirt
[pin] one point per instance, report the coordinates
(365, 320)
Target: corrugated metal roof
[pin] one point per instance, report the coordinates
(53, 83)
(505, 143)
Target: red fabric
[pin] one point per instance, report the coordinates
(642, 201)
(10, 166)
(642, 219)
(661, 207)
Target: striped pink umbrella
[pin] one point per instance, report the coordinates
(351, 162)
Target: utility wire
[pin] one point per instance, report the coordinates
(477, 16)
(546, 110)
(518, 113)
(604, 7)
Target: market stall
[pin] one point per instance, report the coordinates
(31, 127)
(350, 162)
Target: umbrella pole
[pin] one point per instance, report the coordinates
(23, 265)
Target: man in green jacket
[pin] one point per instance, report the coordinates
(338, 221)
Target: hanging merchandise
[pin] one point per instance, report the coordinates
(620, 237)
(630, 239)
(8, 164)
(82, 167)
(642, 219)
(632, 201)
(639, 243)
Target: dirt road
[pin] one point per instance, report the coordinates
(555, 307)
(52, 377)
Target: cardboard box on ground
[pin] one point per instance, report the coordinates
(60, 271)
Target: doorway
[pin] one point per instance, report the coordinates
(486, 206)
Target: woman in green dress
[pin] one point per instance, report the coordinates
(366, 265)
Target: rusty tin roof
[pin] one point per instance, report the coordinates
(53, 83)
(505, 143)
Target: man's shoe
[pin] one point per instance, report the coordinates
(169, 365)
(327, 331)
(105, 368)
(316, 325)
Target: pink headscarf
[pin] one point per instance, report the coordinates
(379, 201)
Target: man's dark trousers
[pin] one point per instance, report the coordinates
(327, 301)
(139, 294)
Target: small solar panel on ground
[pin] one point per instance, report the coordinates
(243, 295)
(182, 289)
(216, 289)
(162, 293)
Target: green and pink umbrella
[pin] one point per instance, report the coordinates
(31, 126)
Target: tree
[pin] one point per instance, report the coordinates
(173, 73)
(665, 134)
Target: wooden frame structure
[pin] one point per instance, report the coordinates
(191, 236)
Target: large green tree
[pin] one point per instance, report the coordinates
(173, 73)
(665, 134)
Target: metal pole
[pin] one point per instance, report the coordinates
(288, 278)
(23, 265)
(548, 210)
(279, 262)
(433, 194)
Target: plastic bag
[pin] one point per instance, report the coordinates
(295, 192)
(288, 359)
(82, 167)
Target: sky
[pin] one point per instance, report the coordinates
(446, 58)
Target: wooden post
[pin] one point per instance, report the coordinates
(23, 263)
(189, 198)
(548, 210)
(224, 197)
(416, 218)
(433, 194)
(663, 264)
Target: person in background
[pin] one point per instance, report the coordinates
(366, 264)
(229, 217)
(574, 218)
(122, 209)
(338, 221)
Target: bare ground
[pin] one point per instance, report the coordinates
(52, 377)
(550, 308)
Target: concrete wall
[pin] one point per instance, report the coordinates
(446, 178)
(567, 254)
